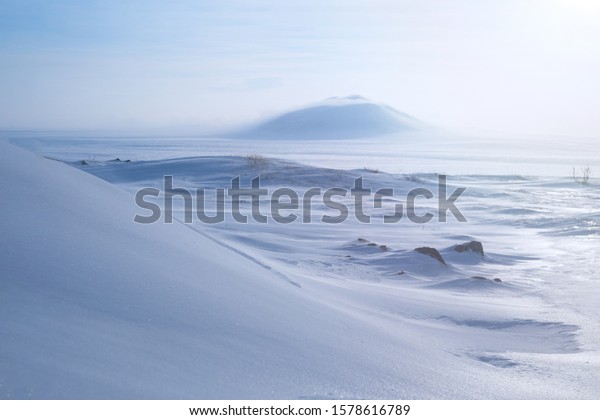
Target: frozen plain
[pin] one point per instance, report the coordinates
(96, 306)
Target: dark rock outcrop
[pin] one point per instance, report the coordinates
(473, 246)
(496, 279)
(431, 252)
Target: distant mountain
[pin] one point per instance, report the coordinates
(334, 118)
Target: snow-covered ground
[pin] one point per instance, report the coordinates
(94, 305)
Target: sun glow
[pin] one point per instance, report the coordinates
(585, 7)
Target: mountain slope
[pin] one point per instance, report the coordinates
(334, 118)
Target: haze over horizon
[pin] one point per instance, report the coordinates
(513, 66)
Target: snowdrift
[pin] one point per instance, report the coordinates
(93, 305)
(334, 118)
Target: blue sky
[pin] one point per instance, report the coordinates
(527, 66)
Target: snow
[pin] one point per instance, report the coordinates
(93, 305)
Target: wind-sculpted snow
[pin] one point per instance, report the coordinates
(93, 305)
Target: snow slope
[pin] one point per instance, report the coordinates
(93, 305)
(539, 321)
(334, 118)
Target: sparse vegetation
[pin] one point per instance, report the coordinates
(584, 178)
(256, 160)
(412, 178)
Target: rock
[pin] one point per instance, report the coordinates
(431, 252)
(383, 248)
(485, 278)
(473, 246)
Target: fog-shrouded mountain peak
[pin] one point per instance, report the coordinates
(346, 117)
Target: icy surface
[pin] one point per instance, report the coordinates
(93, 305)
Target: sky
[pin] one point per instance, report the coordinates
(515, 66)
